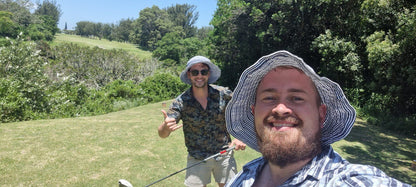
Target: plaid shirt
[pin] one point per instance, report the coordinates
(204, 130)
(326, 169)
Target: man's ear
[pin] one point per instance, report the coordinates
(322, 114)
(252, 109)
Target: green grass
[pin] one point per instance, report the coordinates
(100, 150)
(103, 43)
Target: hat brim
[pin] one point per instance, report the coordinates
(214, 70)
(340, 114)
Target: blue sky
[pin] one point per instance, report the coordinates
(112, 11)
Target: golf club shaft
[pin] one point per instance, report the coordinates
(206, 159)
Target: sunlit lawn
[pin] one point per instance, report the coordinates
(102, 43)
(100, 150)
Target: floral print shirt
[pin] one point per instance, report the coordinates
(204, 129)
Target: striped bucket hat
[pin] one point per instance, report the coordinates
(340, 115)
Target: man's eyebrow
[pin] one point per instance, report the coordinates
(268, 90)
(295, 90)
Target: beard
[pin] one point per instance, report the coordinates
(282, 149)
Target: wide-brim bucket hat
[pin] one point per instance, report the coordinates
(214, 70)
(340, 115)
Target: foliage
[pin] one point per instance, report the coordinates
(41, 25)
(68, 80)
(152, 24)
(162, 86)
(339, 60)
(174, 49)
(8, 28)
(122, 31)
(185, 17)
(23, 84)
(150, 28)
(368, 47)
(97, 67)
(51, 10)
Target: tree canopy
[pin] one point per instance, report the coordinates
(361, 44)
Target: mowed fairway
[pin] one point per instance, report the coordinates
(101, 43)
(100, 150)
(94, 151)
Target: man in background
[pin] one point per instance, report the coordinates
(201, 109)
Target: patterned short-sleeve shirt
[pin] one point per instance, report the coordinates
(204, 129)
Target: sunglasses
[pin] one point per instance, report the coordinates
(196, 72)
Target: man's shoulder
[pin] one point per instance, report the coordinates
(221, 89)
(362, 175)
(186, 95)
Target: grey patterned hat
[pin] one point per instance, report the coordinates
(340, 115)
(214, 70)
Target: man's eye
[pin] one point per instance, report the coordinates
(297, 99)
(269, 99)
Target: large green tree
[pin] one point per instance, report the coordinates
(367, 46)
(121, 32)
(53, 11)
(7, 26)
(20, 9)
(153, 23)
(184, 15)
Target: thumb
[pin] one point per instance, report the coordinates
(165, 115)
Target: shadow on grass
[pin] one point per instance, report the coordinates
(372, 145)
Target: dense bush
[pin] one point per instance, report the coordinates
(23, 85)
(97, 67)
(162, 86)
(71, 81)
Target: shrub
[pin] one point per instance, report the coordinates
(162, 86)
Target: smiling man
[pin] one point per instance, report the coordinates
(284, 110)
(202, 109)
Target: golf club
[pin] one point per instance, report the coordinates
(125, 183)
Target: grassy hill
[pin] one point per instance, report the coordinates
(100, 150)
(103, 43)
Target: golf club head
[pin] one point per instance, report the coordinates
(124, 183)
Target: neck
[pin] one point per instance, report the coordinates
(200, 92)
(274, 175)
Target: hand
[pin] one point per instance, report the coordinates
(170, 123)
(239, 145)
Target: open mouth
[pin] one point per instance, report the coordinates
(282, 123)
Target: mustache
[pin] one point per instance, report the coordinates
(275, 117)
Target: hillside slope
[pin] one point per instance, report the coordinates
(103, 43)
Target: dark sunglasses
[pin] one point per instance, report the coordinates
(196, 72)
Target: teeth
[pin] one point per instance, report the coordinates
(283, 125)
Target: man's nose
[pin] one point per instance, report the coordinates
(282, 109)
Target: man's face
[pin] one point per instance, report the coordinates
(288, 118)
(196, 75)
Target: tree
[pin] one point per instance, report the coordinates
(20, 10)
(185, 17)
(7, 26)
(51, 9)
(349, 41)
(121, 32)
(152, 24)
